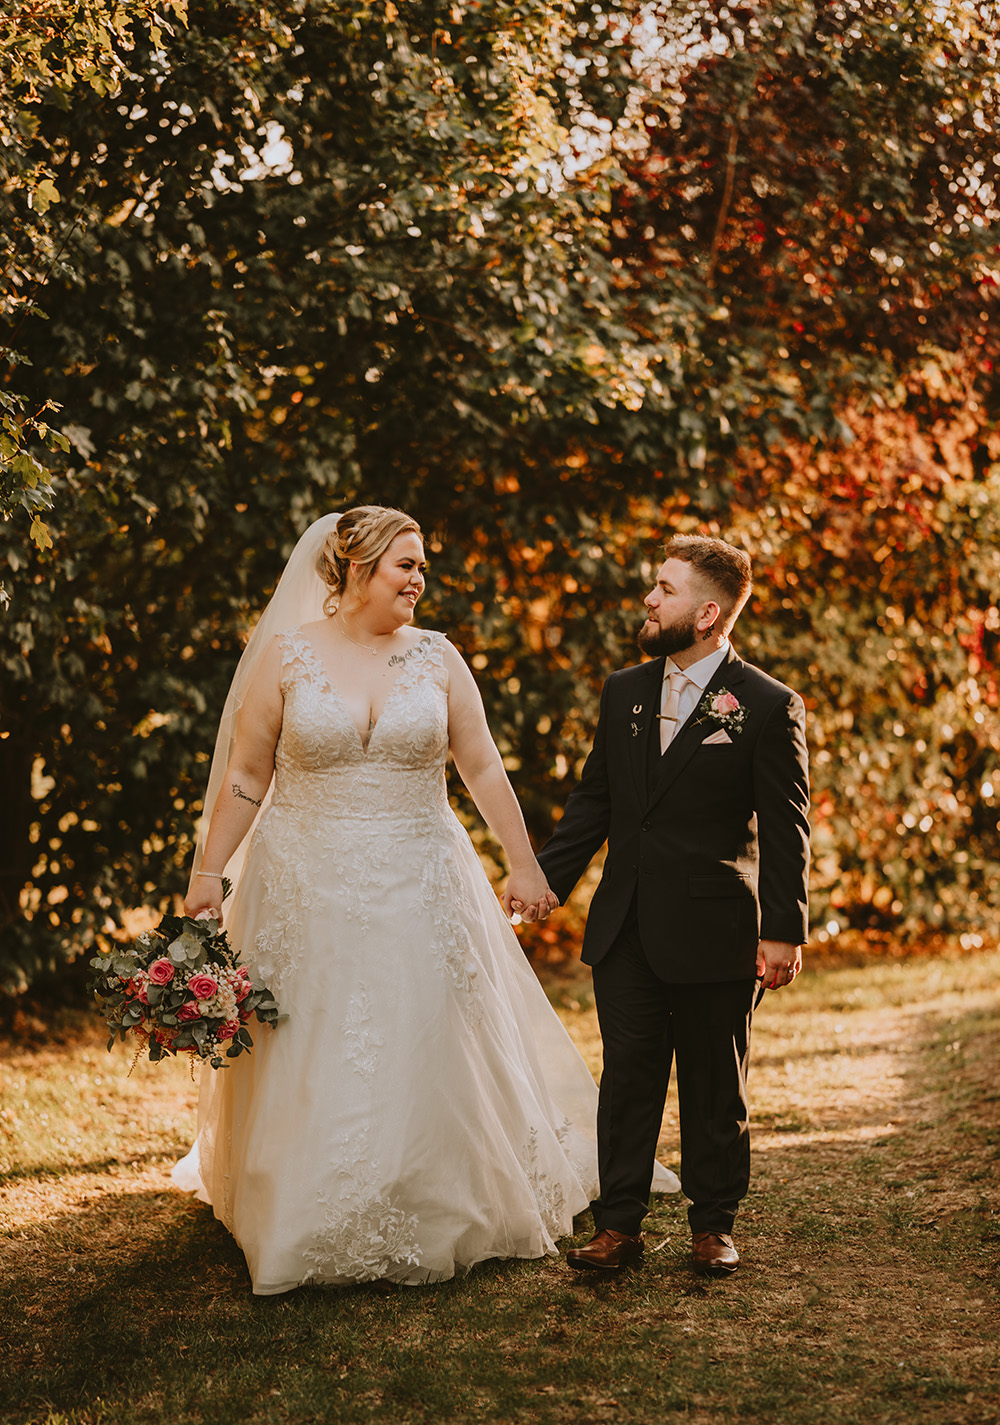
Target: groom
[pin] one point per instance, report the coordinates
(698, 781)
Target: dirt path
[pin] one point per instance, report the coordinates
(871, 1237)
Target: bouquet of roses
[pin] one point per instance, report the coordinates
(179, 988)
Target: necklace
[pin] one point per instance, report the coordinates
(366, 646)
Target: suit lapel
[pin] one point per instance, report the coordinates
(642, 710)
(693, 731)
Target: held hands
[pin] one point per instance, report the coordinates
(528, 896)
(778, 962)
(541, 910)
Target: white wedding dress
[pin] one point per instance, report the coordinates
(422, 1108)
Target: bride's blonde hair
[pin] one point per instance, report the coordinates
(361, 537)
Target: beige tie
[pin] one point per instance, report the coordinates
(673, 686)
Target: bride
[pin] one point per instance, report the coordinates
(421, 1108)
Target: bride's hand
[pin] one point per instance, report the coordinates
(526, 885)
(199, 904)
(527, 894)
(541, 910)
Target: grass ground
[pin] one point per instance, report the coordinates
(870, 1240)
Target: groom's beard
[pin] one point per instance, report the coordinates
(661, 642)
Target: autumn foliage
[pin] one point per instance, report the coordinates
(559, 279)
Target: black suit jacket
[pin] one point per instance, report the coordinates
(714, 844)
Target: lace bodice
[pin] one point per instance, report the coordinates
(343, 814)
(322, 767)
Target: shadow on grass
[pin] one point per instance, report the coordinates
(111, 1162)
(138, 1307)
(98, 1294)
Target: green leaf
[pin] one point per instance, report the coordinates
(186, 949)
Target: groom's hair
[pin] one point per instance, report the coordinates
(720, 568)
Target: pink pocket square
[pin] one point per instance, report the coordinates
(717, 738)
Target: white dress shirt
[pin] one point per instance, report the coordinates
(700, 675)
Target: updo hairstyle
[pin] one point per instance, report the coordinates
(361, 537)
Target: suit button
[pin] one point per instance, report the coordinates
(645, 826)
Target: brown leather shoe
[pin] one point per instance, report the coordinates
(608, 1251)
(713, 1254)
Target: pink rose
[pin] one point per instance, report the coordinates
(140, 992)
(725, 703)
(245, 1015)
(189, 1010)
(227, 1030)
(241, 990)
(203, 986)
(161, 972)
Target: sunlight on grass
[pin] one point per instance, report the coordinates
(74, 1106)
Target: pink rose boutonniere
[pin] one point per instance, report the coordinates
(724, 709)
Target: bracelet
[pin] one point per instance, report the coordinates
(215, 875)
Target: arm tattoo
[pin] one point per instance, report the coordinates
(239, 792)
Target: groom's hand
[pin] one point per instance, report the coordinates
(543, 908)
(539, 910)
(778, 962)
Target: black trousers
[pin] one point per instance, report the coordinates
(646, 1025)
